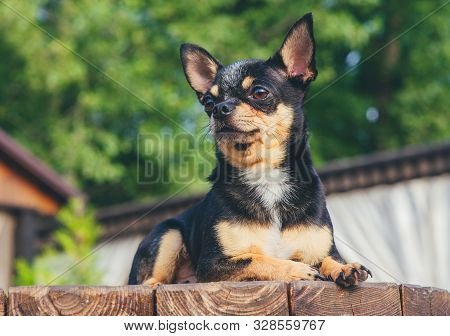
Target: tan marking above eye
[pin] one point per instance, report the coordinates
(214, 90)
(247, 82)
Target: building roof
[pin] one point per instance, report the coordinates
(338, 176)
(386, 167)
(33, 169)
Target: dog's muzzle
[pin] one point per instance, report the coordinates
(224, 109)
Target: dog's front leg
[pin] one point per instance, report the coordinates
(251, 266)
(261, 267)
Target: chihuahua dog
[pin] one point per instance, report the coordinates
(265, 217)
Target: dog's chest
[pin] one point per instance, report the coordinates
(269, 188)
(309, 244)
(301, 242)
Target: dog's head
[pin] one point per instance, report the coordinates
(254, 105)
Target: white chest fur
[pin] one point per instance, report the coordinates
(308, 243)
(269, 187)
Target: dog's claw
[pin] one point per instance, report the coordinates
(351, 275)
(367, 270)
(320, 277)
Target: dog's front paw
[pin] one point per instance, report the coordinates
(301, 271)
(350, 274)
(152, 282)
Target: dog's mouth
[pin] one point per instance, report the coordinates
(239, 146)
(233, 130)
(227, 129)
(240, 139)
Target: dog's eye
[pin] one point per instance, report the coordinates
(259, 92)
(208, 103)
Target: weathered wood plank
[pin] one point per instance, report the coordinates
(440, 302)
(418, 301)
(259, 298)
(3, 301)
(325, 298)
(81, 300)
(228, 298)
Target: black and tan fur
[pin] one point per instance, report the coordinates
(265, 217)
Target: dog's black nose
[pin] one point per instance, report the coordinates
(223, 109)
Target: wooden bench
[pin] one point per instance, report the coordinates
(300, 298)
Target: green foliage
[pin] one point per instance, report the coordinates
(73, 242)
(86, 125)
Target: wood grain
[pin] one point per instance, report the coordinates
(2, 303)
(81, 300)
(325, 298)
(424, 301)
(258, 298)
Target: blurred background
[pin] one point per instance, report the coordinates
(84, 85)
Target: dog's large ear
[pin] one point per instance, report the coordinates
(297, 52)
(199, 66)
